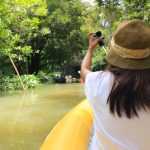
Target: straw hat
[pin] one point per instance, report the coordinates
(130, 46)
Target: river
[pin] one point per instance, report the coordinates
(27, 118)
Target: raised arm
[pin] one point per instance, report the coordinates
(86, 63)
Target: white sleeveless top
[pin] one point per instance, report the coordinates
(110, 131)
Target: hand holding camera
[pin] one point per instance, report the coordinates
(94, 40)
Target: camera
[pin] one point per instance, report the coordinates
(99, 34)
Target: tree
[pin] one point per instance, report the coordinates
(66, 40)
(20, 21)
(112, 12)
(115, 11)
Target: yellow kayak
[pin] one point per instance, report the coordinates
(73, 131)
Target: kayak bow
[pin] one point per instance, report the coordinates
(73, 131)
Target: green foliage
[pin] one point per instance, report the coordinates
(47, 36)
(45, 77)
(65, 40)
(40, 34)
(98, 61)
(112, 12)
(139, 9)
(8, 83)
(30, 81)
(19, 21)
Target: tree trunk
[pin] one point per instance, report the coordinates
(34, 64)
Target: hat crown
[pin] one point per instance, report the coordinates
(130, 46)
(134, 34)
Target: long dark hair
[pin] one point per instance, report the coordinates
(130, 92)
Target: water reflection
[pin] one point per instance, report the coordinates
(27, 118)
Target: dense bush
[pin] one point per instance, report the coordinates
(30, 81)
(45, 77)
(12, 83)
(98, 61)
(54, 77)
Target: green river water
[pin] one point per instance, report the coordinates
(27, 118)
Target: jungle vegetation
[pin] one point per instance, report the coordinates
(46, 38)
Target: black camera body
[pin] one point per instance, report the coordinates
(99, 34)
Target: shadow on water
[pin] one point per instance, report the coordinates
(27, 118)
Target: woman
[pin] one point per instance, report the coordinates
(120, 95)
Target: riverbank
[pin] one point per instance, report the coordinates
(11, 83)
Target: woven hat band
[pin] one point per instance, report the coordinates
(129, 53)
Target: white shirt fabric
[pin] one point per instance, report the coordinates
(110, 131)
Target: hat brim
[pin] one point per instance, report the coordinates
(126, 63)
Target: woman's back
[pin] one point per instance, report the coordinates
(120, 96)
(110, 131)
